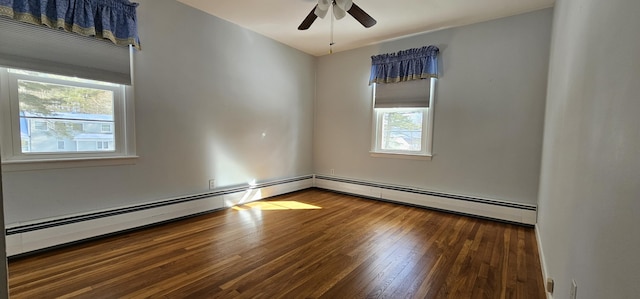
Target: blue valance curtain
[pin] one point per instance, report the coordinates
(114, 20)
(407, 65)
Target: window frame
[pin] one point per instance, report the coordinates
(11, 143)
(426, 151)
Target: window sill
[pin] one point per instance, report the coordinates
(42, 164)
(401, 156)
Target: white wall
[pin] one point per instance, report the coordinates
(489, 111)
(206, 91)
(589, 187)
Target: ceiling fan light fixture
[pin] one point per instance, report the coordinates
(322, 8)
(338, 12)
(340, 9)
(324, 4)
(345, 5)
(320, 13)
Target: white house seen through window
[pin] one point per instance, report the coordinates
(59, 107)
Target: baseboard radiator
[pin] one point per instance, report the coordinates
(34, 236)
(24, 238)
(478, 207)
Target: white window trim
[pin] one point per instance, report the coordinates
(12, 166)
(426, 153)
(14, 160)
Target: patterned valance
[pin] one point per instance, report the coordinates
(407, 65)
(114, 20)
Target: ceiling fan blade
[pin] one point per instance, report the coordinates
(306, 23)
(364, 18)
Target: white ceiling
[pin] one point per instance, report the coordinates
(279, 19)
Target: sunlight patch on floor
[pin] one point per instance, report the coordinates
(276, 205)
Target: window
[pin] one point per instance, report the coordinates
(52, 117)
(102, 145)
(403, 119)
(401, 129)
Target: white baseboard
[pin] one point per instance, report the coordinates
(265, 191)
(543, 264)
(36, 235)
(480, 207)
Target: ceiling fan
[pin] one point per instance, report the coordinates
(340, 9)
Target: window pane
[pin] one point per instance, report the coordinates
(401, 130)
(54, 114)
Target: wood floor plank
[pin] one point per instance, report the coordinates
(348, 247)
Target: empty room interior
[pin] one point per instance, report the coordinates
(378, 149)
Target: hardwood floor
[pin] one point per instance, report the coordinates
(309, 244)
